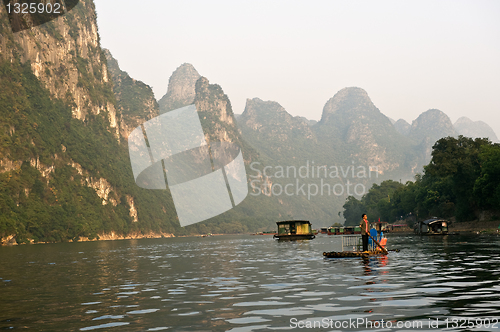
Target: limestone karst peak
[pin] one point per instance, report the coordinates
(181, 88)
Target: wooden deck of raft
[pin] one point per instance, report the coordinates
(348, 254)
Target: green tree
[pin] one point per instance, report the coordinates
(378, 200)
(451, 175)
(404, 199)
(353, 209)
(487, 185)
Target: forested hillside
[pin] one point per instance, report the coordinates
(64, 167)
(462, 181)
(67, 109)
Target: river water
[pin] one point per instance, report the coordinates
(251, 283)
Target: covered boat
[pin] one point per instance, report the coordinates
(433, 226)
(335, 230)
(294, 230)
(344, 230)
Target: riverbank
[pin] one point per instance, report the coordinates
(11, 239)
(467, 227)
(475, 226)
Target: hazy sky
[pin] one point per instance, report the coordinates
(410, 56)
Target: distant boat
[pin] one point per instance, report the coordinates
(294, 230)
(344, 230)
(265, 233)
(433, 226)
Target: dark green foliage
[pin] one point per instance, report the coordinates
(353, 210)
(133, 97)
(33, 130)
(452, 172)
(135, 100)
(99, 93)
(376, 203)
(487, 185)
(462, 179)
(135, 93)
(44, 195)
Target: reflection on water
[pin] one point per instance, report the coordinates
(244, 283)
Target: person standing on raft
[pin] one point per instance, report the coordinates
(365, 230)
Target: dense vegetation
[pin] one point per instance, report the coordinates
(45, 196)
(60, 207)
(39, 132)
(462, 180)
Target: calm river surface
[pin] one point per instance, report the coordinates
(250, 283)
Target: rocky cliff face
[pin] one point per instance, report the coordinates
(181, 88)
(135, 100)
(64, 167)
(219, 125)
(65, 55)
(217, 117)
(466, 127)
(213, 104)
(187, 87)
(65, 110)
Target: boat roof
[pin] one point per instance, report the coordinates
(433, 220)
(293, 221)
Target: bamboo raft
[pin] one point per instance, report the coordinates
(353, 254)
(349, 254)
(354, 241)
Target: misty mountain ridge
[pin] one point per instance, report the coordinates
(350, 100)
(181, 88)
(352, 131)
(351, 127)
(67, 110)
(466, 127)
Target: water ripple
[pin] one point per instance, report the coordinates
(243, 283)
